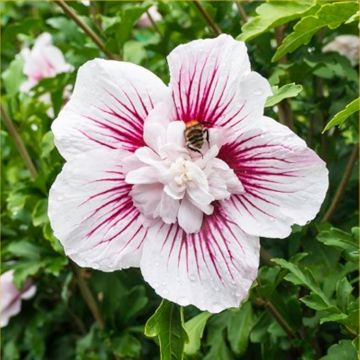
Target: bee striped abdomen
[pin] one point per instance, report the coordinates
(195, 134)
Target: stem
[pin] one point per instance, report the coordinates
(278, 317)
(214, 27)
(321, 116)
(343, 183)
(78, 321)
(88, 296)
(153, 23)
(266, 257)
(18, 142)
(241, 11)
(72, 14)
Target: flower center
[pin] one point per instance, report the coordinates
(172, 183)
(180, 170)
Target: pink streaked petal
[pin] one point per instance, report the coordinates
(44, 59)
(212, 269)
(211, 82)
(108, 107)
(11, 297)
(92, 213)
(285, 182)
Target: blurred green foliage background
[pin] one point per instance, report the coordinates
(304, 304)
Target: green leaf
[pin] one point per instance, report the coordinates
(279, 94)
(273, 14)
(25, 249)
(338, 238)
(47, 144)
(303, 277)
(39, 214)
(343, 293)
(344, 350)
(167, 324)
(341, 116)
(315, 302)
(54, 242)
(24, 270)
(338, 317)
(329, 15)
(268, 279)
(239, 328)
(195, 328)
(13, 76)
(126, 346)
(216, 339)
(120, 30)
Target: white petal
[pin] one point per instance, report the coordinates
(190, 217)
(175, 133)
(92, 213)
(147, 156)
(285, 182)
(144, 20)
(44, 59)
(143, 175)
(8, 289)
(211, 82)
(110, 101)
(10, 304)
(147, 198)
(10, 311)
(200, 195)
(156, 123)
(168, 208)
(212, 269)
(29, 292)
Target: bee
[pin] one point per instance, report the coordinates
(195, 135)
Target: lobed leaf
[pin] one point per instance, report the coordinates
(284, 92)
(167, 324)
(275, 13)
(195, 328)
(329, 15)
(341, 116)
(239, 328)
(344, 350)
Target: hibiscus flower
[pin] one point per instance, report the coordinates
(11, 296)
(137, 190)
(42, 61)
(144, 20)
